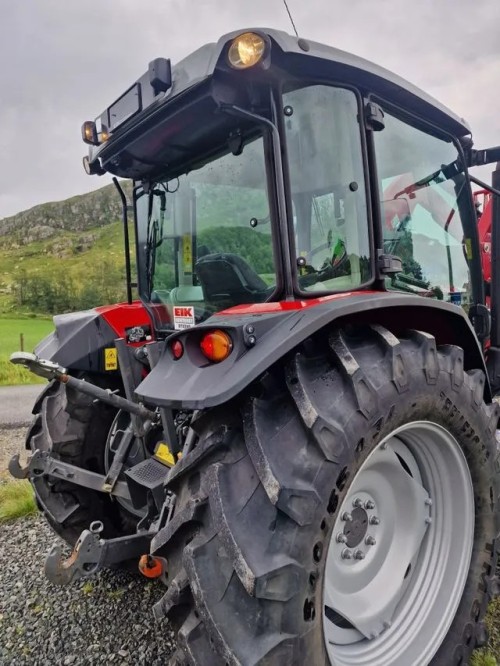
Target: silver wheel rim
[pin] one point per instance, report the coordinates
(400, 551)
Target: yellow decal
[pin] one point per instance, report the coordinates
(110, 359)
(187, 253)
(468, 248)
(163, 454)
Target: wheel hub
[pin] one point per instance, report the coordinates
(355, 529)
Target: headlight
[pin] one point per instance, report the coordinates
(246, 50)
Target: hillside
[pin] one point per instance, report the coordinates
(79, 213)
(62, 256)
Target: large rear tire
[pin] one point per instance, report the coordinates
(71, 426)
(263, 498)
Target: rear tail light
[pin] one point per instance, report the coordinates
(216, 345)
(177, 349)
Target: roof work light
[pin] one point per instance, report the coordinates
(89, 133)
(246, 50)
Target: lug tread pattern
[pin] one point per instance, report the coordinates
(178, 593)
(192, 512)
(232, 505)
(265, 424)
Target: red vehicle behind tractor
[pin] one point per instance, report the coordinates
(294, 429)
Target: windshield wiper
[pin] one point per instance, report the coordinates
(153, 232)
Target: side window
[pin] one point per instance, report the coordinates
(328, 188)
(424, 196)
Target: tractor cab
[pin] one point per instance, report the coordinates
(270, 169)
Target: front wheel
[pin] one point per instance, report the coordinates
(349, 517)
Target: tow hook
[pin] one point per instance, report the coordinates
(16, 470)
(92, 553)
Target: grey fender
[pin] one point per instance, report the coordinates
(261, 339)
(78, 341)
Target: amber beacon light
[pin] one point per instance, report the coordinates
(246, 50)
(216, 345)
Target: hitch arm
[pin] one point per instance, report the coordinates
(50, 370)
(91, 553)
(42, 464)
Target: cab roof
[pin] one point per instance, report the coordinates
(298, 56)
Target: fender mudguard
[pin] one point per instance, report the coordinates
(265, 333)
(80, 339)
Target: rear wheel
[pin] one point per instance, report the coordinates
(72, 427)
(348, 518)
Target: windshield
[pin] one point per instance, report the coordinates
(205, 239)
(328, 188)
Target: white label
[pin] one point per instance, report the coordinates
(183, 317)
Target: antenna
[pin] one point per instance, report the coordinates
(290, 17)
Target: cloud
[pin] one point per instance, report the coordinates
(64, 62)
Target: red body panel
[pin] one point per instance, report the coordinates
(283, 306)
(484, 198)
(123, 316)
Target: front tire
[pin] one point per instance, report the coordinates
(262, 500)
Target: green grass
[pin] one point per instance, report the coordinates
(16, 500)
(483, 658)
(33, 330)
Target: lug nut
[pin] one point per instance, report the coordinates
(428, 502)
(346, 554)
(370, 541)
(369, 504)
(428, 521)
(347, 516)
(341, 537)
(374, 520)
(357, 502)
(359, 555)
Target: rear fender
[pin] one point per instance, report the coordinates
(260, 339)
(80, 339)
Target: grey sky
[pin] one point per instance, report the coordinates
(64, 61)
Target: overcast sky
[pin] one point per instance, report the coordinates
(64, 61)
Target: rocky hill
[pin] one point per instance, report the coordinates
(63, 256)
(80, 213)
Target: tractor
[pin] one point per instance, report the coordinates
(294, 429)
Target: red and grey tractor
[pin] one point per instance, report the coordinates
(295, 428)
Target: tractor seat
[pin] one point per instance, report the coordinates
(227, 280)
(186, 294)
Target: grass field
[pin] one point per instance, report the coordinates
(33, 330)
(16, 500)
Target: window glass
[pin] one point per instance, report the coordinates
(424, 194)
(205, 237)
(328, 189)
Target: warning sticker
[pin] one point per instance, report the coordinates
(110, 359)
(187, 253)
(183, 317)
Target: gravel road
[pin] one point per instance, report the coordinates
(11, 442)
(16, 403)
(106, 619)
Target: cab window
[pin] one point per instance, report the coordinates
(425, 197)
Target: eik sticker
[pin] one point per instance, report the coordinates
(183, 317)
